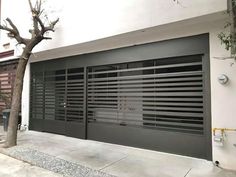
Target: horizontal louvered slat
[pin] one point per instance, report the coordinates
(75, 95)
(55, 82)
(144, 90)
(75, 99)
(140, 81)
(159, 112)
(149, 76)
(149, 108)
(167, 95)
(146, 68)
(114, 117)
(58, 94)
(37, 96)
(148, 103)
(149, 94)
(78, 81)
(115, 86)
(74, 88)
(152, 122)
(93, 98)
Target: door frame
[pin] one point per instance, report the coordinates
(191, 45)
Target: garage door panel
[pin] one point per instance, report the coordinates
(59, 100)
(75, 129)
(165, 141)
(36, 124)
(54, 126)
(153, 96)
(155, 104)
(123, 110)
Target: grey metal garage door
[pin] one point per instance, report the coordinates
(57, 101)
(154, 96)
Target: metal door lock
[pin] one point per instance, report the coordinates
(63, 104)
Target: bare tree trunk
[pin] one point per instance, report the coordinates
(37, 35)
(16, 102)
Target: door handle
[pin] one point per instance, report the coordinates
(63, 104)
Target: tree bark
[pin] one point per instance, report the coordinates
(37, 35)
(16, 102)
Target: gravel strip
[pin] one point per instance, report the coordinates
(52, 163)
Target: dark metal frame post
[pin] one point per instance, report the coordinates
(85, 103)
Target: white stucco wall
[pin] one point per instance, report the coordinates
(82, 21)
(223, 100)
(104, 18)
(25, 105)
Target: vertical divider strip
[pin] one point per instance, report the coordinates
(44, 85)
(31, 98)
(43, 95)
(85, 103)
(65, 96)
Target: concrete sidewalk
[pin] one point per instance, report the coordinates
(10, 167)
(119, 160)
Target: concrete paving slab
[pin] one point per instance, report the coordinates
(54, 148)
(209, 170)
(90, 154)
(10, 167)
(93, 157)
(134, 167)
(52, 163)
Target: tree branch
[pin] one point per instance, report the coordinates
(51, 26)
(31, 7)
(38, 31)
(40, 22)
(36, 26)
(35, 11)
(12, 25)
(14, 32)
(38, 6)
(5, 28)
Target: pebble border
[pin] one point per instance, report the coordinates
(57, 165)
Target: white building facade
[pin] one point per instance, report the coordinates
(90, 27)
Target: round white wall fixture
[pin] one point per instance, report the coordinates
(223, 79)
